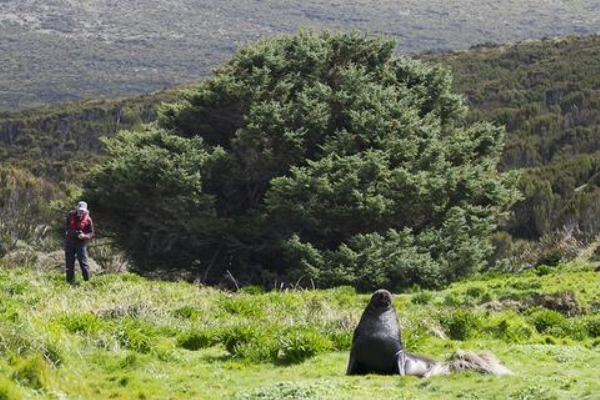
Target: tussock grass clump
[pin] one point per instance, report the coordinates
(593, 326)
(196, 339)
(544, 319)
(32, 372)
(513, 329)
(251, 341)
(135, 335)
(76, 322)
(22, 340)
(301, 343)
(462, 324)
(186, 312)
(8, 390)
(421, 298)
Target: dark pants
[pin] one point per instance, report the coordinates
(79, 249)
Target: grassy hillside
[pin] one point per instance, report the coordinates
(60, 50)
(547, 95)
(123, 337)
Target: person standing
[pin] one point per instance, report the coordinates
(79, 230)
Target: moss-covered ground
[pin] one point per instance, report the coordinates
(124, 337)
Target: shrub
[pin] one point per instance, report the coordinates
(574, 328)
(453, 300)
(475, 292)
(544, 319)
(462, 325)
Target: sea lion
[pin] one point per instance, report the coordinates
(377, 348)
(377, 345)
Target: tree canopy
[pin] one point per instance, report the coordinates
(313, 156)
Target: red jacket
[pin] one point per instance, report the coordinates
(75, 223)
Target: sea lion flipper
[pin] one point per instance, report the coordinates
(401, 360)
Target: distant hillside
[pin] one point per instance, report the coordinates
(59, 50)
(547, 94)
(57, 142)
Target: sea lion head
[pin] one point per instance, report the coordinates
(381, 299)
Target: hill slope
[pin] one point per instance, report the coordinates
(124, 337)
(59, 50)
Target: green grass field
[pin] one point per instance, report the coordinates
(124, 337)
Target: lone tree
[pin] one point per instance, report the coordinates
(318, 156)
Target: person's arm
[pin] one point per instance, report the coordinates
(67, 225)
(90, 231)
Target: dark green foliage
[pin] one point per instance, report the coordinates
(60, 143)
(315, 156)
(545, 93)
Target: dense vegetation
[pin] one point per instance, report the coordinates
(124, 337)
(544, 92)
(547, 95)
(315, 155)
